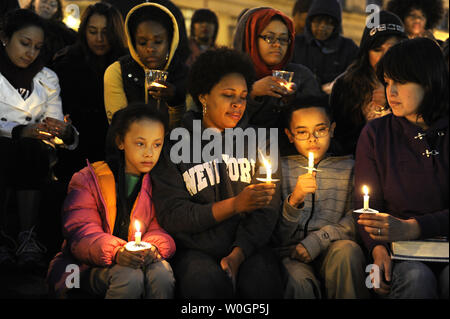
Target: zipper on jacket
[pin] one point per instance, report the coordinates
(310, 216)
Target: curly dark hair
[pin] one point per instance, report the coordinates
(433, 10)
(212, 65)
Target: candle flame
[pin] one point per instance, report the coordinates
(156, 84)
(137, 225)
(365, 190)
(266, 163)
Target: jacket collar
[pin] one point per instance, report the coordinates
(106, 187)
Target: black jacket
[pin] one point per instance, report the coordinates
(326, 59)
(81, 83)
(185, 192)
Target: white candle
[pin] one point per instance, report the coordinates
(310, 162)
(137, 234)
(366, 197)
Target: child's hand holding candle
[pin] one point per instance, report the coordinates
(306, 184)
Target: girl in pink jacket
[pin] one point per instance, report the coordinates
(103, 202)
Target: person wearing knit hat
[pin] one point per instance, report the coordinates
(357, 96)
(321, 47)
(418, 16)
(299, 14)
(204, 27)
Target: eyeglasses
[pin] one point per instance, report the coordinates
(272, 40)
(416, 16)
(304, 135)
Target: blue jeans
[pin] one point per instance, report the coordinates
(416, 280)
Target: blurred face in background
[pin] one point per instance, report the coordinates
(96, 38)
(46, 8)
(322, 27)
(204, 32)
(376, 54)
(25, 45)
(415, 22)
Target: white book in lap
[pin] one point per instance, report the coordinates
(430, 250)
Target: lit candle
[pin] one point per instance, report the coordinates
(310, 162)
(268, 170)
(137, 234)
(366, 197)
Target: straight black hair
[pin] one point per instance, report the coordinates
(419, 61)
(304, 103)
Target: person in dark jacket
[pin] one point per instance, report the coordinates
(58, 34)
(357, 96)
(267, 35)
(153, 37)
(6, 6)
(183, 47)
(403, 158)
(321, 47)
(204, 28)
(420, 17)
(220, 217)
(299, 15)
(80, 69)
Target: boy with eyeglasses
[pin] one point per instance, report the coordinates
(315, 234)
(321, 47)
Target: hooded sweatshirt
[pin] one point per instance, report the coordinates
(185, 192)
(326, 59)
(125, 79)
(265, 111)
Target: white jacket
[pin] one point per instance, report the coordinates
(44, 101)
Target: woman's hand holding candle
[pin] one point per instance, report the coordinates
(269, 86)
(306, 184)
(254, 196)
(385, 227)
(162, 90)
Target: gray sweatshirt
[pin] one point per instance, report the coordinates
(324, 216)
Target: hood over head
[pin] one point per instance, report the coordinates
(250, 26)
(331, 8)
(149, 7)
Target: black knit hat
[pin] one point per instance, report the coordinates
(205, 15)
(390, 24)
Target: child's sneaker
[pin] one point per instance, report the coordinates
(31, 253)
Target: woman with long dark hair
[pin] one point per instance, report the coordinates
(357, 96)
(80, 69)
(403, 158)
(32, 125)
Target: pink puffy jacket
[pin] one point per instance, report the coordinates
(88, 218)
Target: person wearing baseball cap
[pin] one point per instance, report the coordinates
(357, 96)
